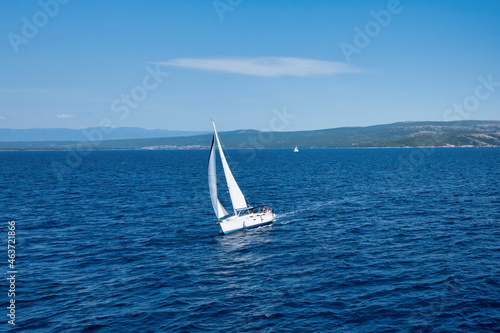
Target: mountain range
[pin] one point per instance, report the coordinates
(465, 133)
(66, 134)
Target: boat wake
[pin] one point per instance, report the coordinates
(314, 207)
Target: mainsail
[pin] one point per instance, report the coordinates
(237, 198)
(212, 183)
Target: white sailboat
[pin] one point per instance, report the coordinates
(296, 150)
(244, 216)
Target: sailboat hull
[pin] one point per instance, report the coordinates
(248, 221)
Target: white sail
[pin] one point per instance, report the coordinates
(237, 198)
(212, 184)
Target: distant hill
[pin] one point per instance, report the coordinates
(65, 134)
(467, 133)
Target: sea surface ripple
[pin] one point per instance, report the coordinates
(366, 240)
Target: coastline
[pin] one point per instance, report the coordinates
(267, 148)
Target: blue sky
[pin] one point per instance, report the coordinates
(177, 64)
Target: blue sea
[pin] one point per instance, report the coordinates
(365, 240)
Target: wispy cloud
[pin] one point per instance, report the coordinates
(41, 91)
(266, 66)
(65, 116)
(3, 118)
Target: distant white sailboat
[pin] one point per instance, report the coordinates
(244, 216)
(296, 150)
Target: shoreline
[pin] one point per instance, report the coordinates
(193, 149)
